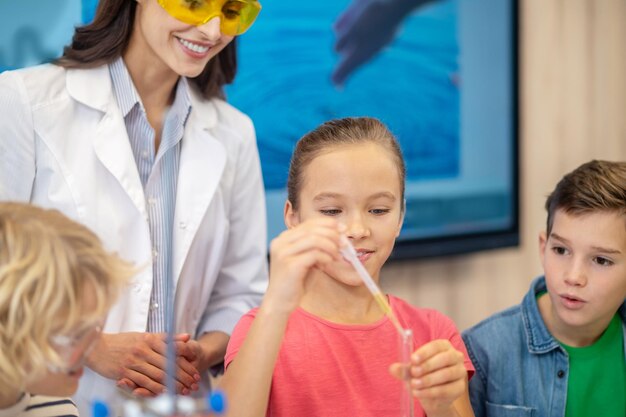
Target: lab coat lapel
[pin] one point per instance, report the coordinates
(202, 161)
(110, 140)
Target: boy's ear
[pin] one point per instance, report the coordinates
(543, 241)
(290, 215)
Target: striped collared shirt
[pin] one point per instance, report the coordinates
(31, 405)
(159, 175)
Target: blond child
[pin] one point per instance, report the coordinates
(319, 345)
(561, 352)
(56, 286)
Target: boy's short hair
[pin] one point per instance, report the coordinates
(594, 186)
(47, 264)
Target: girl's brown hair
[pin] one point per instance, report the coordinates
(107, 37)
(594, 186)
(347, 131)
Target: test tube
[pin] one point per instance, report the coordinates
(406, 335)
(406, 346)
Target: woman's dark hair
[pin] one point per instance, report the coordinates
(107, 37)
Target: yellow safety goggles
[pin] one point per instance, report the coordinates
(236, 16)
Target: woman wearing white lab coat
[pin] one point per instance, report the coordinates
(64, 144)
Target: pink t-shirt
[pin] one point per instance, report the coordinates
(328, 369)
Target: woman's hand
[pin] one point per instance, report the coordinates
(203, 353)
(139, 360)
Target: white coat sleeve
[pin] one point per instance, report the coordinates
(17, 144)
(242, 279)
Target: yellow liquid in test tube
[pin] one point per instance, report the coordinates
(349, 253)
(381, 299)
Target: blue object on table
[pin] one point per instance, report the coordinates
(216, 401)
(99, 409)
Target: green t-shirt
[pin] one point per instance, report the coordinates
(596, 384)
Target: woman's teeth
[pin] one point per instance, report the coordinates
(194, 47)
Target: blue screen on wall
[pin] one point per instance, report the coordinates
(445, 82)
(446, 86)
(35, 31)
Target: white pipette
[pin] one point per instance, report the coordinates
(348, 252)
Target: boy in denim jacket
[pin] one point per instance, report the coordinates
(561, 352)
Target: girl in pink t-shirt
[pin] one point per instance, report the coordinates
(319, 345)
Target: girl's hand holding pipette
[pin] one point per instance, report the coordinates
(293, 254)
(438, 379)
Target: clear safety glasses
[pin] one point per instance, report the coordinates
(73, 348)
(236, 16)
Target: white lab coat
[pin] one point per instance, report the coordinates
(63, 144)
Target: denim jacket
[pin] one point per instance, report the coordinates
(521, 370)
